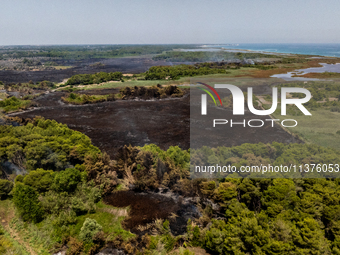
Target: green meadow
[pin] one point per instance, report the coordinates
(322, 128)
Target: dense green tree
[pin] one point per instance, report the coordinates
(44, 144)
(67, 180)
(26, 201)
(280, 196)
(5, 188)
(309, 238)
(174, 72)
(40, 179)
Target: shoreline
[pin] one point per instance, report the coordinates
(277, 51)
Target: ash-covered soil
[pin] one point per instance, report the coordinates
(166, 122)
(111, 125)
(124, 65)
(147, 207)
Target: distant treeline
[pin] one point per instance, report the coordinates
(174, 72)
(158, 92)
(29, 86)
(96, 78)
(85, 51)
(125, 93)
(200, 56)
(165, 72)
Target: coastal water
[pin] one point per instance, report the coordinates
(329, 50)
(324, 49)
(325, 68)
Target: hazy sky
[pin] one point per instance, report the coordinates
(25, 22)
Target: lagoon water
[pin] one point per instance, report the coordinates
(325, 68)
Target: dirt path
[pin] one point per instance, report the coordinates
(16, 236)
(6, 215)
(263, 100)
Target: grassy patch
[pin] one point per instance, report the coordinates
(62, 67)
(14, 104)
(36, 237)
(321, 128)
(25, 238)
(78, 99)
(39, 237)
(110, 222)
(6, 210)
(8, 245)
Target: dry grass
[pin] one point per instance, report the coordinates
(320, 75)
(155, 227)
(173, 216)
(189, 250)
(118, 212)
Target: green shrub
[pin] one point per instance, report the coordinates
(196, 237)
(65, 218)
(79, 99)
(44, 144)
(183, 251)
(53, 202)
(19, 178)
(67, 180)
(26, 201)
(89, 229)
(335, 109)
(45, 84)
(13, 104)
(73, 96)
(40, 179)
(5, 188)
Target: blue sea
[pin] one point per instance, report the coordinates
(329, 49)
